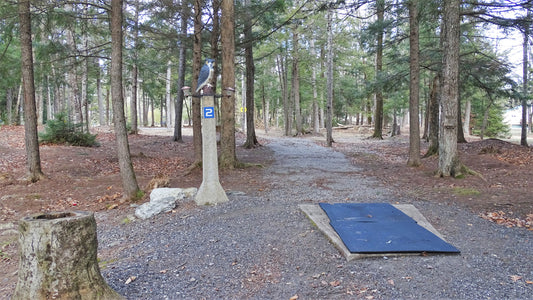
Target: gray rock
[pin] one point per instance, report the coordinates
(162, 200)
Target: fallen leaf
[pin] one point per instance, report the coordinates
(390, 281)
(335, 283)
(130, 279)
(294, 297)
(529, 281)
(163, 271)
(515, 278)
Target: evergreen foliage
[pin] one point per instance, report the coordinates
(62, 131)
(496, 128)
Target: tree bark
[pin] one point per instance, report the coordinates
(134, 73)
(181, 72)
(228, 156)
(449, 164)
(315, 117)
(414, 87)
(266, 111)
(283, 81)
(9, 106)
(251, 138)
(168, 95)
(58, 258)
(296, 81)
(433, 118)
(101, 106)
(85, 72)
(73, 75)
(525, 70)
(378, 110)
(329, 80)
(215, 37)
(196, 65)
(460, 133)
(129, 181)
(33, 158)
(468, 111)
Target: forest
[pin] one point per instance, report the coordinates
(101, 104)
(436, 68)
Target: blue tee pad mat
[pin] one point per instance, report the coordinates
(381, 228)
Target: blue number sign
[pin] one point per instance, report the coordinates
(209, 112)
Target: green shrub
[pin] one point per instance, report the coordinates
(61, 131)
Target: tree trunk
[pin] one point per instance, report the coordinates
(215, 37)
(378, 110)
(33, 158)
(266, 111)
(315, 118)
(283, 81)
(251, 138)
(296, 81)
(101, 106)
(133, 100)
(530, 120)
(9, 106)
(58, 258)
(243, 101)
(18, 106)
(85, 72)
(49, 106)
(129, 181)
(466, 124)
(196, 65)
(523, 133)
(152, 109)
(73, 76)
(181, 72)
(329, 80)
(107, 109)
(134, 73)
(460, 133)
(228, 156)
(449, 164)
(414, 87)
(168, 95)
(485, 118)
(433, 117)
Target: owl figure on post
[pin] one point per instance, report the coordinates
(205, 76)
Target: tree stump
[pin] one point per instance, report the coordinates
(58, 258)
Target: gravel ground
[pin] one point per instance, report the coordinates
(262, 246)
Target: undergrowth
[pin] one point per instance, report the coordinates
(62, 131)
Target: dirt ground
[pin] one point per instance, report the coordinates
(88, 178)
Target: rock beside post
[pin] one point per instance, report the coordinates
(58, 258)
(163, 200)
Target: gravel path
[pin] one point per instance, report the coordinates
(263, 247)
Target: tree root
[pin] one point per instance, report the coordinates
(459, 172)
(192, 167)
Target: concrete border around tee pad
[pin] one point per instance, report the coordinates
(319, 217)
